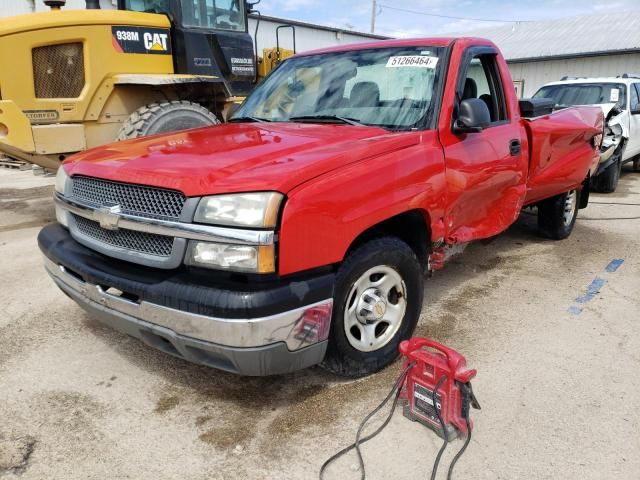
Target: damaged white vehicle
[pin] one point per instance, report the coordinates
(619, 98)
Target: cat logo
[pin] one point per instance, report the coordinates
(156, 42)
(141, 40)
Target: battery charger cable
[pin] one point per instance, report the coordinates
(469, 399)
(359, 441)
(445, 433)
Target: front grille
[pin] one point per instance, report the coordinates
(141, 242)
(137, 200)
(58, 70)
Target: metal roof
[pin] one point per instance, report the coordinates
(590, 35)
(316, 26)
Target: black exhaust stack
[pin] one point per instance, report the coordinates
(93, 4)
(55, 4)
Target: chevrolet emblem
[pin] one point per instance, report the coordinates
(108, 217)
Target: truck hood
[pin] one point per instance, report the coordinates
(237, 157)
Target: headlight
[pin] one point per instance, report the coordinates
(258, 209)
(61, 180)
(242, 258)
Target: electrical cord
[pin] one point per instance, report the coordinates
(614, 203)
(359, 441)
(445, 434)
(461, 451)
(609, 218)
(397, 389)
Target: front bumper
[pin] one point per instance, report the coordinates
(250, 329)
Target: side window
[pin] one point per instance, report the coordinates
(483, 81)
(635, 97)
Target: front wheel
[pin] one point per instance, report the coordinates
(378, 299)
(607, 181)
(557, 215)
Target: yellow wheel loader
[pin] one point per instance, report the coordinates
(74, 79)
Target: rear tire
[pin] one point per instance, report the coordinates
(607, 181)
(377, 303)
(636, 165)
(166, 117)
(557, 215)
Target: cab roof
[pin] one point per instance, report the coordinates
(587, 80)
(400, 42)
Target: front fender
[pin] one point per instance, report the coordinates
(322, 217)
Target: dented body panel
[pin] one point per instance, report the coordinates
(561, 151)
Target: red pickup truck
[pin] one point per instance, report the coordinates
(299, 232)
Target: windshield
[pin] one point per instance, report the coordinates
(211, 14)
(391, 88)
(570, 94)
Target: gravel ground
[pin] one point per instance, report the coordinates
(558, 393)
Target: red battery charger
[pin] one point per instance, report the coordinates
(440, 368)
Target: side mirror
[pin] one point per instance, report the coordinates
(473, 116)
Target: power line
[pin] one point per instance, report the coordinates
(451, 16)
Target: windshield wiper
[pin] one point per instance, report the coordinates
(248, 118)
(326, 118)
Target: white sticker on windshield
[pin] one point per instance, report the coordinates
(412, 61)
(615, 95)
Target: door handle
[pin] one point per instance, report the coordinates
(514, 147)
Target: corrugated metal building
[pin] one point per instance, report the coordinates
(9, 8)
(308, 36)
(607, 44)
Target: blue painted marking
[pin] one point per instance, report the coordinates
(573, 310)
(614, 265)
(592, 290)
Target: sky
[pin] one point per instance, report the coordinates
(356, 14)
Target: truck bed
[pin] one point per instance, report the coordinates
(560, 150)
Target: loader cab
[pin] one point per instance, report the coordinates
(208, 37)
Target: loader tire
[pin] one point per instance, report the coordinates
(607, 181)
(557, 215)
(166, 117)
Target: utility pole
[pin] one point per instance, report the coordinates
(374, 7)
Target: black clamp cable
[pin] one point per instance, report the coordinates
(468, 399)
(359, 441)
(445, 433)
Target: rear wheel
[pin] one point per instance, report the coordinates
(607, 181)
(557, 215)
(378, 298)
(166, 117)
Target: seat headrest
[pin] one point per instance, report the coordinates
(470, 89)
(365, 94)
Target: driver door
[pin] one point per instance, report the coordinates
(485, 171)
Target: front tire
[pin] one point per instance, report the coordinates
(557, 215)
(166, 117)
(377, 303)
(607, 181)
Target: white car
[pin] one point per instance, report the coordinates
(619, 98)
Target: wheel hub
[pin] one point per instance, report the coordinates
(371, 306)
(375, 308)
